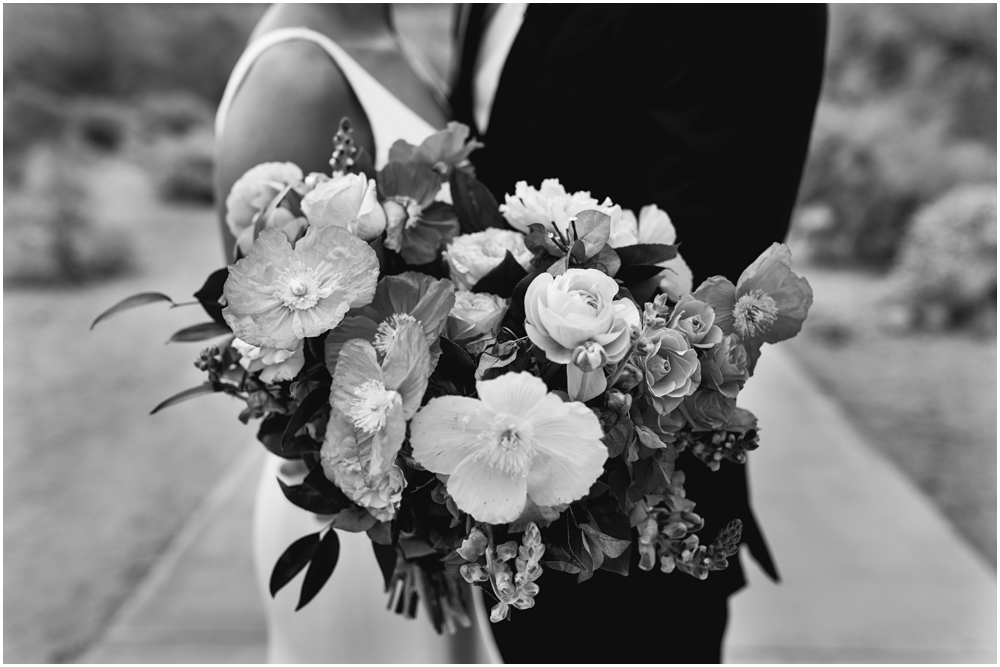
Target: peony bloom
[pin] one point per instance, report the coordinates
(397, 298)
(472, 256)
(278, 295)
(345, 463)
(575, 319)
(475, 315)
(654, 226)
(515, 442)
(768, 303)
(349, 201)
(376, 398)
(275, 365)
(551, 206)
(251, 195)
(670, 367)
(416, 225)
(696, 320)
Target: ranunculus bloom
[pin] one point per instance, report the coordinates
(252, 193)
(278, 295)
(346, 464)
(515, 442)
(475, 315)
(550, 206)
(377, 397)
(575, 318)
(670, 367)
(696, 320)
(768, 303)
(349, 201)
(274, 365)
(654, 226)
(472, 256)
(724, 368)
(707, 410)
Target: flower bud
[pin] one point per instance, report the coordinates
(474, 545)
(473, 573)
(589, 356)
(506, 551)
(619, 402)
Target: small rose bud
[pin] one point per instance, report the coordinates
(619, 402)
(589, 356)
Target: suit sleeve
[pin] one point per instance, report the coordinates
(728, 95)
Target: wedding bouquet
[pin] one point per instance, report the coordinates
(485, 390)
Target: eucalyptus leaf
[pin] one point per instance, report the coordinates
(199, 332)
(187, 394)
(134, 301)
(291, 562)
(322, 565)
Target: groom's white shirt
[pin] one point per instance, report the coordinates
(498, 38)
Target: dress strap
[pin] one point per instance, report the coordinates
(388, 117)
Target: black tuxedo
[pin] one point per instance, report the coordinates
(706, 111)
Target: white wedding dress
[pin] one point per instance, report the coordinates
(347, 622)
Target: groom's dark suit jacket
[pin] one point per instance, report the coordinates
(706, 111)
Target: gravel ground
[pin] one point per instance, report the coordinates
(926, 401)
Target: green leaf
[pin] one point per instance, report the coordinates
(354, 520)
(619, 432)
(211, 292)
(606, 260)
(594, 229)
(322, 565)
(291, 562)
(500, 355)
(311, 500)
(456, 366)
(618, 565)
(609, 546)
(475, 205)
(631, 275)
(641, 254)
(502, 279)
(514, 319)
(134, 301)
(199, 332)
(386, 557)
(206, 388)
(316, 399)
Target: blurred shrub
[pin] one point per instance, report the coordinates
(869, 170)
(174, 113)
(49, 234)
(908, 112)
(946, 274)
(183, 168)
(126, 49)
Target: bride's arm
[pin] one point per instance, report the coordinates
(286, 110)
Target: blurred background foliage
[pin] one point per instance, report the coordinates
(108, 113)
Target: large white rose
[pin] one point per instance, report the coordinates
(654, 226)
(253, 192)
(475, 315)
(472, 256)
(551, 206)
(349, 201)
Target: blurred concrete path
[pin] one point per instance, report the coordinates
(872, 572)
